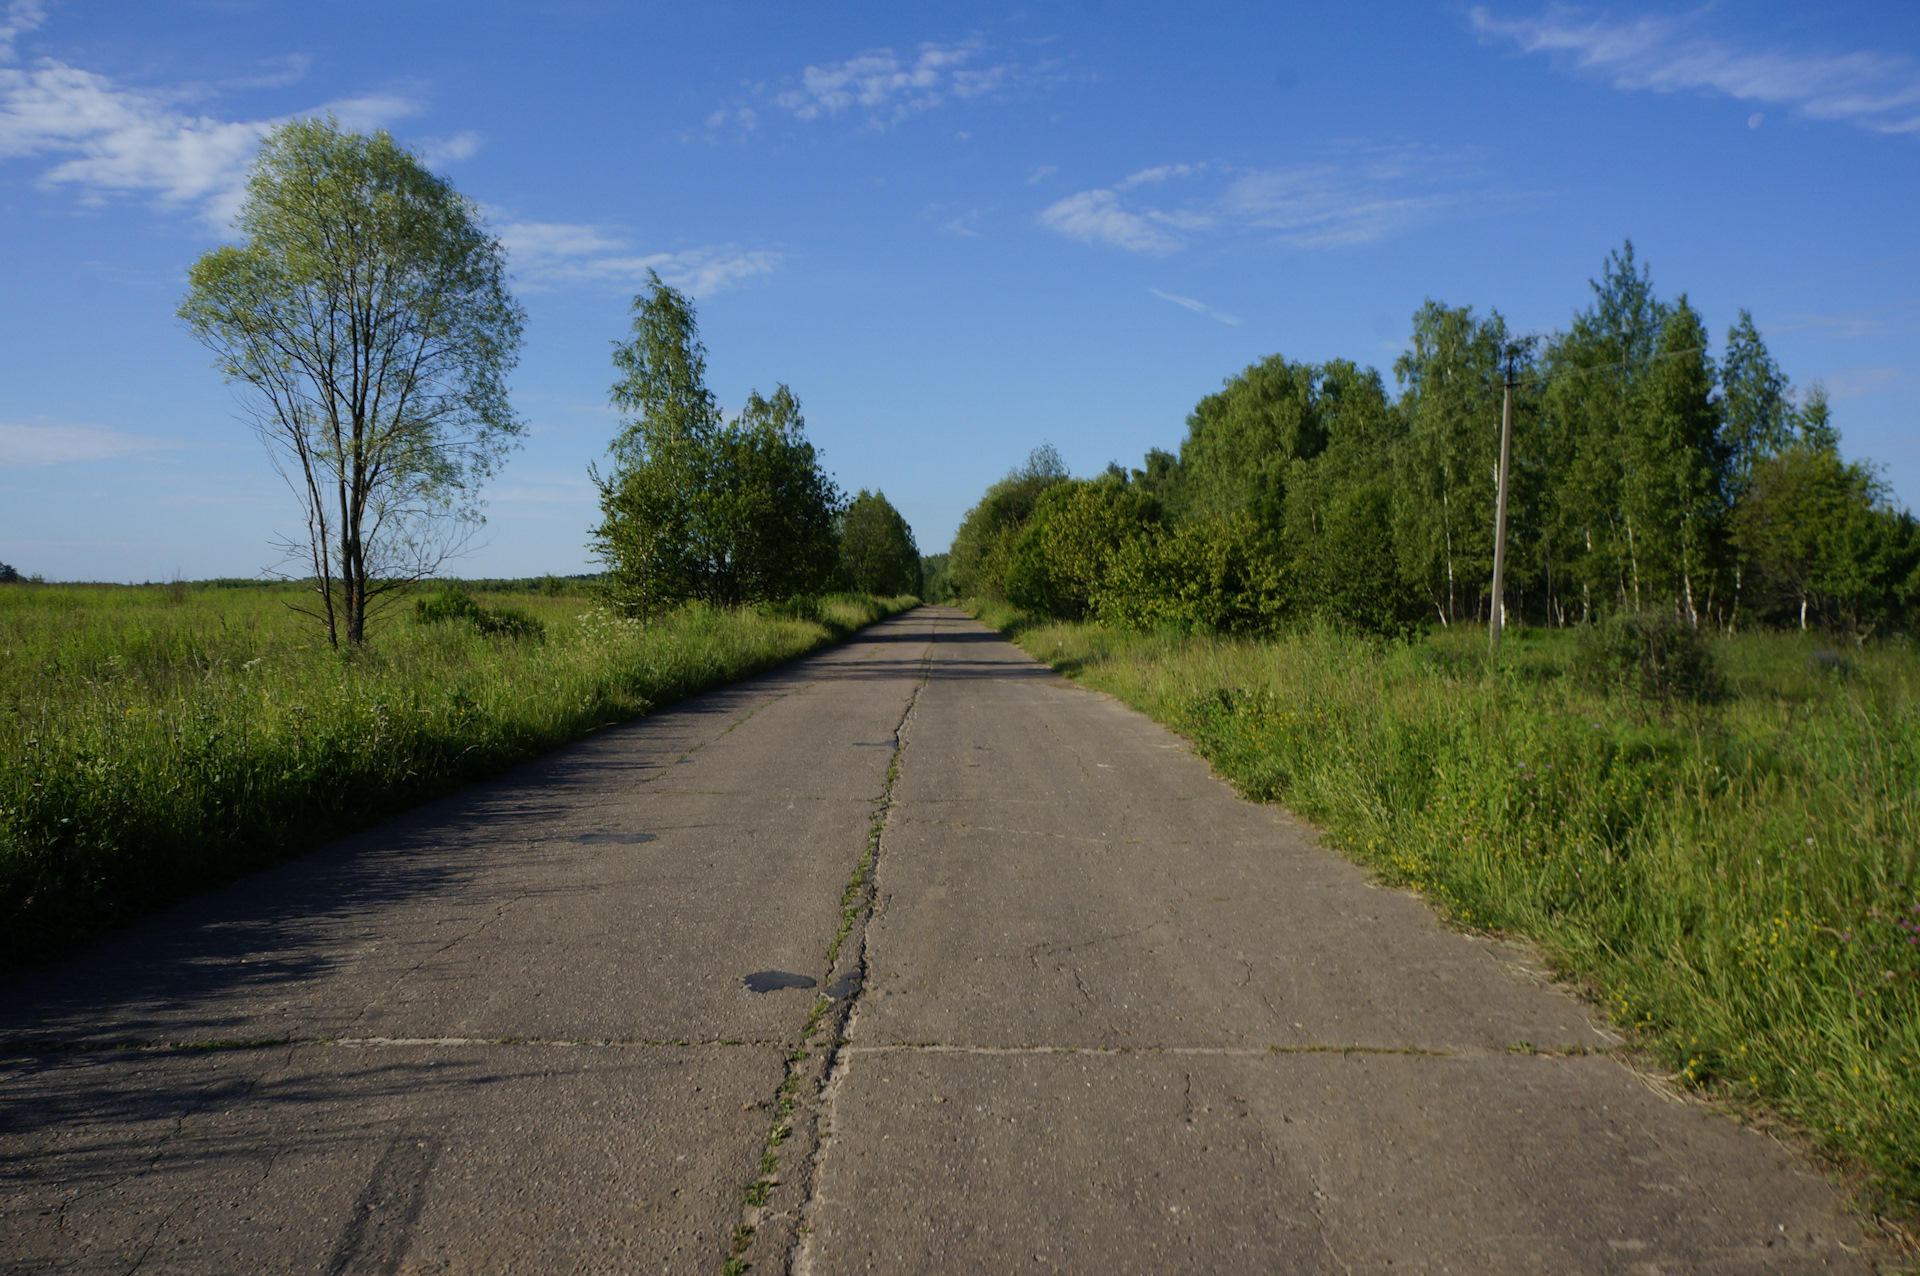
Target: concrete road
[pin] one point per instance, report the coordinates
(1040, 994)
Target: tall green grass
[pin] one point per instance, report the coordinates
(1739, 884)
(154, 741)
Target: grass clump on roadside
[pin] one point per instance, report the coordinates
(1732, 863)
(154, 741)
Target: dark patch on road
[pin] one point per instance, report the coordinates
(845, 986)
(775, 980)
(376, 1236)
(617, 839)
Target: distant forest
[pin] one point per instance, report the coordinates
(1648, 477)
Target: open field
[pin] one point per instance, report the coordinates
(1738, 883)
(154, 740)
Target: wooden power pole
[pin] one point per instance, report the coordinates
(1500, 518)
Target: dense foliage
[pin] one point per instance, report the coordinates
(877, 551)
(983, 546)
(1647, 479)
(699, 507)
(936, 581)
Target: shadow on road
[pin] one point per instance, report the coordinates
(179, 974)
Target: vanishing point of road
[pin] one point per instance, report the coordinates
(1036, 992)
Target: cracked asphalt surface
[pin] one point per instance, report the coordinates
(1092, 1012)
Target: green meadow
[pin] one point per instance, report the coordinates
(155, 740)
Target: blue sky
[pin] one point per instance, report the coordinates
(955, 230)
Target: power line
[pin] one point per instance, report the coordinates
(1543, 379)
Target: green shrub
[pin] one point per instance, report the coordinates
(1213, 575)
(799, 607)
(1658, 659)
(451, 604)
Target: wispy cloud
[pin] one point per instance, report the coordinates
(1198, 307)
(1866, 322)
(966, 224)
(21, 17)
(446, 150)
(107, 139)
(886, 87)
(742, 118)
(1365, 194)
(1326, 205)
(1861, 383)
(1098, 217)
(23, 445)
(552, 254)
(546, 490)
(1159, 173)
(1659, 54)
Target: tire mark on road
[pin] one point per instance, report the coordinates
(380, 1228)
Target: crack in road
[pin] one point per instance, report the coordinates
(772, 1221)
(1227, 1052)
(158, 1153)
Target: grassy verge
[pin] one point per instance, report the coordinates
(154, 741)
(1739, 886)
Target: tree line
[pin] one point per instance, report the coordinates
(366, 315)
(1647, 478)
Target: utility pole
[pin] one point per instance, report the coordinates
(1500, 517)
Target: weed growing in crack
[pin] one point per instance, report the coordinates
(857, 896)
(742, 1238)
(820, 1007)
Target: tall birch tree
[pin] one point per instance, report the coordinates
(365, 314)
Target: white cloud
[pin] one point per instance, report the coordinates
(1198, 307)
(1097, 217)
(1160, 173)
(21, 17)
(1364, 195)
(108, 139)
(549, 254)
(446, 150)
(888, 88)
(1875, 91)
(22, 445)
(119, 140)
(744, 118)
(369, 111)
(1327, 204)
